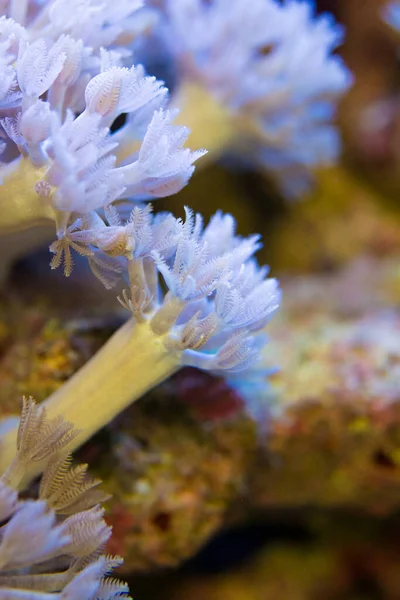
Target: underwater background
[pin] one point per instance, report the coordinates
(287, 489)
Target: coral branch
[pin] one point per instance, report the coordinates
(128, 365)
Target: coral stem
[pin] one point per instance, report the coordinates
(21, 207)
(133, 361)
(18, 10)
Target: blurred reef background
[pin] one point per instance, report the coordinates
(306, 504)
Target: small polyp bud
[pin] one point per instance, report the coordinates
(198, 331)
(35, 122)
(115, 241)
(43, 188)
(103, 91)
(74, 53)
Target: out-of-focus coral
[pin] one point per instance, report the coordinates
(339, 562)
(392, 14)
(369, 113)
(261, 80)
(342, 219)
(280, 573)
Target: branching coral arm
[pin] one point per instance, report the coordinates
(217, 303)
(133, 361)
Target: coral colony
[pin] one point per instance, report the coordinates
(51, 547)
(195, 293)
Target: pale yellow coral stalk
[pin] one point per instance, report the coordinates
(20, 205)
(27, 219)
(133, 361)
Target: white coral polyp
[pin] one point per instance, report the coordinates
(33, 521)
(162, 166)
(38, 66)
(81, 167)
(120, 90)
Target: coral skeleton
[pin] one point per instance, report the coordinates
(51, 547)
(260, 79)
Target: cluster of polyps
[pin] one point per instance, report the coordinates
(64, 81)
(217, 298)
(196, 294)
(51, 546)
(270, 68)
